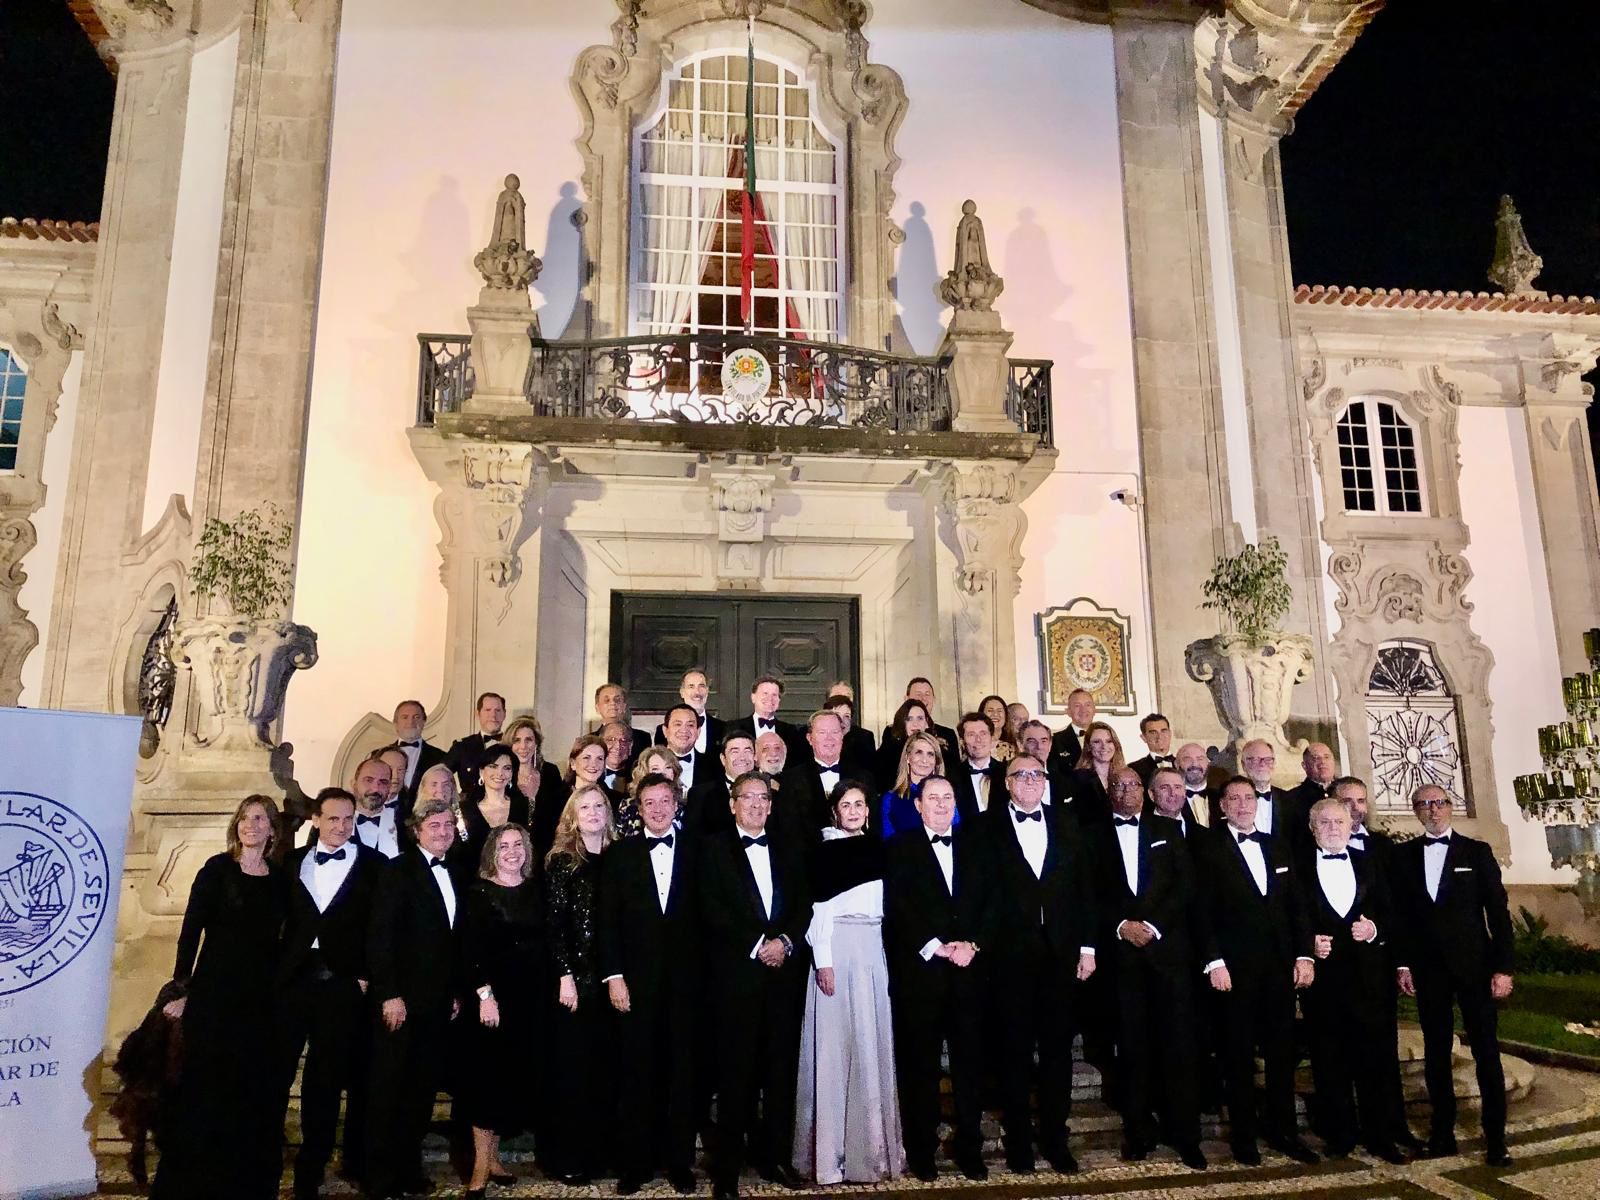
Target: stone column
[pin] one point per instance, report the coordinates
(490, 497)
(1183, 460)
(1564, 490)
(116, 400)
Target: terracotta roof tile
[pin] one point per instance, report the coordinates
(50, 231)
(1350, 297)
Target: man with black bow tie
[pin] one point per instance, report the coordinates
(409, 719)
(1044, 933)
(413, 942)
(1454, 933)
(1145, 892)
(753, 911)
(1067, 745)
(1277, 812)
(1194, 764)
(379, 824)
(1374, 843)
(978, 778)
(322, 984)
(1169, 799)
(920, 689)
(938, 914)
(766, 695)
(466, 754)
(860, 748)
(1259, 952)
(1318, 764)
(808, 779)
(1346, 1006)
(681, 730)
(619, 746)
(694, 689)
(649, 959)
(1155, 731)
(705, 810)
(1036, 740)
(611, 706)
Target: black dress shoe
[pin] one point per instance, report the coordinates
(628, 1183)
(1498, 1158)
(1133, 1151)
(1407, 1140)
(725, 1190)
(574, 1178)
(1246, 1154)
(1442, 1147)
(475, 1193)
(973, 1167)
(925, 1171)
(1392, 1155)
(1296, 1149)
(1191, 1157)
(682, 1180)
(781, 1174)
(1061, 1160)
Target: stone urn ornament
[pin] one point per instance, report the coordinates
(242, 659)
(1253, 667)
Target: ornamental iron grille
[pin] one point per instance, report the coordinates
(1413, 728)
(1394, 452)
(157, 675)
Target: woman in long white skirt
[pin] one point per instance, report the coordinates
(847, 1114)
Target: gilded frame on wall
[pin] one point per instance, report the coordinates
(1082, 645)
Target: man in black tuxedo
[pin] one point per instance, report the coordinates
(1454, 931)
(649, 959)
(753, 910)
(1036, 740)
(1168, 798)
(694, 689)
(1155, 731)
(979, 779)
(1043, 948)
(322, 985)
(379, 824)
(1259, 952)
(1067, 745)
(611, 705)
(1374, 843)
(706, 808)
(938, 914)
(766, 696)
(808, 779)
(1277, 812)
(1145, 892)
(1347, 1005)
(409, 719)
(1194, 765)
(860, 751)
(466, 754)
(619, 762)
(413, 943)
(921, 690)
(1318, 764)
(681, 730)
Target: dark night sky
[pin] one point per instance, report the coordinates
(1391, 176)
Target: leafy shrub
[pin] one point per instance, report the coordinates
(1537, 951)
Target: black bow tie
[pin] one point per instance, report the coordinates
(435, 863)
(1267, 795)
(762, 721)
(1134, 821)
(1021, 816)
(409, 743)
(747, 840)
(941, 839)
(700, 719)
(1358, 833)
(363, 819)
(650, 843)
(1343, 856)
(1252, 836)
(1162, 760)
(395, 803)
(327, 855)
(1436, 841)
(1192, 795)
(978, 770)
(822, 770)
(689, 757)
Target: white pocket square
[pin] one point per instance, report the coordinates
(1459, 870)
(1162, 842)
(1281, 870)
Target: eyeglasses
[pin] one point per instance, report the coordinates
(1030, 775)
(1444, 802)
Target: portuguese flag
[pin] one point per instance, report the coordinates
(747, 238)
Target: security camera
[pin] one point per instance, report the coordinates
(1127, 496)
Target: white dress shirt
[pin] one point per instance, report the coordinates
(1033, 839)
(324, 880)
(1358, 838)
(382, 837)
(829, 776)
(1200, 805)
(442, 881)
(700, 737)
(1128, 844)
(661, 866)
(1338, 880)
(1433, 863)
(1264, 812)
(981, 782)
(860, 905)
(1254, 858)
(945, 855)
(686, 766)
(412, 753)
(760, 860)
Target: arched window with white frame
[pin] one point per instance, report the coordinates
(1413, 727)
(1379, 471)
(689, 176)
(13, 391)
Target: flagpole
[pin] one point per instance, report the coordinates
(747, 245)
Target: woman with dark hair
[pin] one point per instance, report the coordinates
(223, 1136)
(1100, 759)
(586, 767)
(505, 967)
(536, 780)
(994, 708)
(580, 1036)
(847, 1112)
(492, 802)
(911, 717)
(922, 757)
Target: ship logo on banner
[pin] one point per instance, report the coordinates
(52, 888)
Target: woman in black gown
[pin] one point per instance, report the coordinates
(505, 964)
(491, 802)
(538, 781)
(581, 1031)
(224, 1135)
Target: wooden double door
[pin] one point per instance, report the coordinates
(805, 642)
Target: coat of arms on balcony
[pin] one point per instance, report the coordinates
(746, 374)
(1082, 645)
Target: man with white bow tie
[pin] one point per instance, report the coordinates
(379, 824)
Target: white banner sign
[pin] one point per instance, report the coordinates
(66, 787)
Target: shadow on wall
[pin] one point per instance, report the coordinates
(560, 282)
(919, 319)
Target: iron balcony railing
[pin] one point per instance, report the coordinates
(683, 379)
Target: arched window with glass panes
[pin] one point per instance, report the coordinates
(688, 180)
(1378, 466)
(13, 390)
(1413, 727)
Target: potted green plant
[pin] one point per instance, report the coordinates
(244, 651)
(1252, 666)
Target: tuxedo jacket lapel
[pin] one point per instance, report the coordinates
(680, 876)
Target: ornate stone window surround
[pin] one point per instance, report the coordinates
(618, 86)
(1378, 469)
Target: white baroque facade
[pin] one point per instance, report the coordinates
(296, 189)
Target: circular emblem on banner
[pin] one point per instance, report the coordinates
(746, 374)
(1089, 660)
(53, 892)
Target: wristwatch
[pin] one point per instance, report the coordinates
(486, 992)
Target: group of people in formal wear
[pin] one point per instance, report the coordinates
(779, 939)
